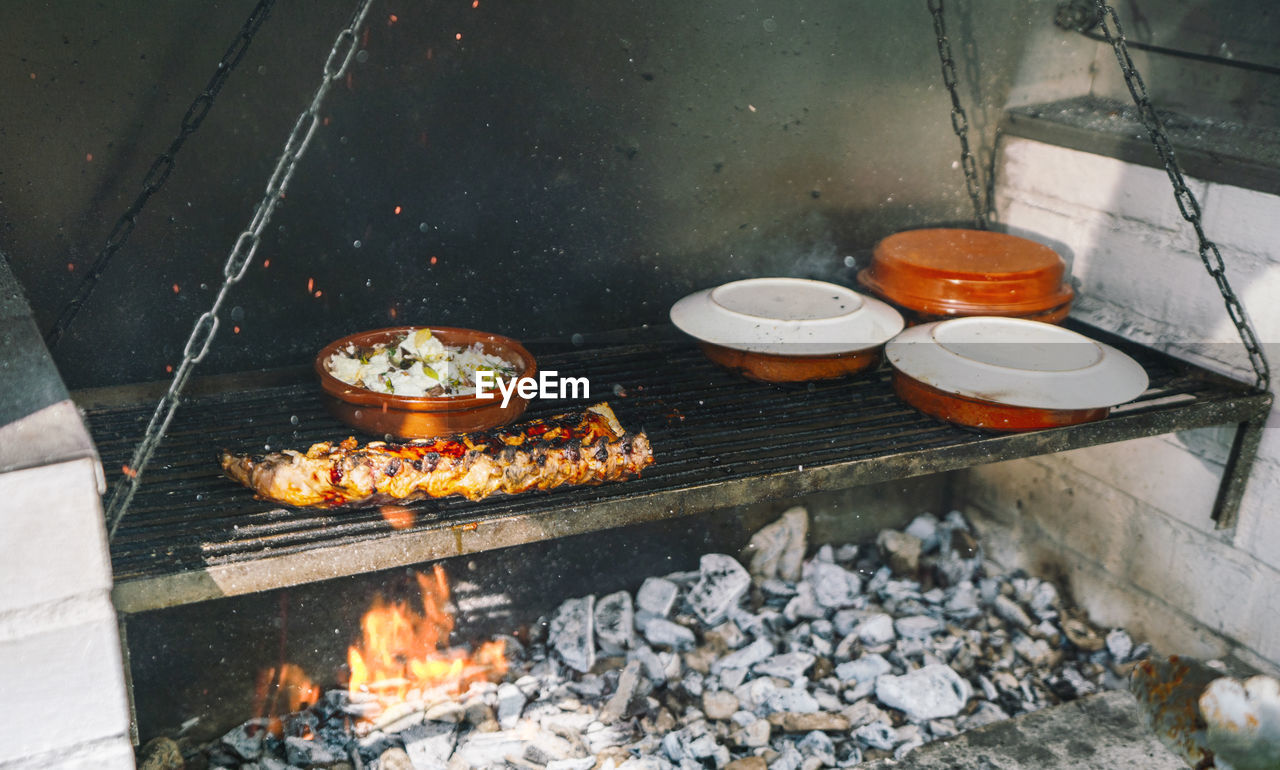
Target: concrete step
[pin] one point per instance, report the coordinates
(1100, 732)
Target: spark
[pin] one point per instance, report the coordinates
(266, 263)
(33, 76)
(397, 516)
(392, 19)
(433, 260)
(235, 329)
(176, 288)
(392, 312)
(168, 368)
(475, 3)
(71, 267)
(318, 293)
(326, 120)
(311, 284)
(397, 210)
(88, 157)
(130, 472)
(751, 107)
(458, 36)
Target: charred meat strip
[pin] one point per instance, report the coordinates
(588, 447)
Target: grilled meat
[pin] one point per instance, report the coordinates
(588, 447)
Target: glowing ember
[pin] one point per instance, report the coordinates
(458, 36)
(397, 516)
(311, 285)
(397, 209)
(392, 19)
(403, 650)
(176, 288)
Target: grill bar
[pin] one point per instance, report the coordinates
(719, 440)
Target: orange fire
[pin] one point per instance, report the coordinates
(404, 650)
(283, 691)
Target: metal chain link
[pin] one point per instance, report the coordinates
(160, 169)
(1187, 203)
(237, 264)
(959, 120)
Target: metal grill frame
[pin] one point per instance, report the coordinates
(719, 441)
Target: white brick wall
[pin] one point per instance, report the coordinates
(60, 665)
(1129, 523)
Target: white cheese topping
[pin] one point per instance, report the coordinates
(417, 364)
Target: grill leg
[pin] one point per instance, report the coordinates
(1244, 449)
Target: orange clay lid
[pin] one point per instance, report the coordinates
(947, 271)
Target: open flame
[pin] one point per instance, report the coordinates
(402, 655)
(283, 690)
(403, 652)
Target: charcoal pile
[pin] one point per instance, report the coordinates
(774, 658)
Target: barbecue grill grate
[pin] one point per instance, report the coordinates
(718, 440)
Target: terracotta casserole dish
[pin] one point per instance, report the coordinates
(787, 329)
(940, 273)
(1010, 374)
(383, 414)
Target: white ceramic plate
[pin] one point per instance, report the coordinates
(786, 316)
(1015, 362)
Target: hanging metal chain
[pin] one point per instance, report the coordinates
(1187, 203)
(1082, 16)
(160, 170)
(959, 120)
(237, 264)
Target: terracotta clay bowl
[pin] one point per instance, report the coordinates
(781, 329)
(938, 273)
(1010, 374)
(771, 367)
(989, 415)
(383, 414)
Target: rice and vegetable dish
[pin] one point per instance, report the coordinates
(416, 364)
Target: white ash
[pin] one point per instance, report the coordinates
(615, 623)
(657, 596)
(572, 632)
(862, 652)
(722, 584)
(933, 692)
(778, 549)
(661, 632)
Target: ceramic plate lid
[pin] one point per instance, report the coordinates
(948, 271)
(1016, 362)
(786, 316)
